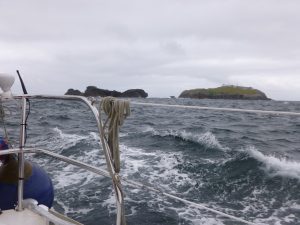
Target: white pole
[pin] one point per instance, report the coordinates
(21, 155)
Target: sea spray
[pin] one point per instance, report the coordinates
(207, 139)
(276, 166)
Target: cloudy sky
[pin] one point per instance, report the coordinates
(162, 46)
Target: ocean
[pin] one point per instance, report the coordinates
(243, 164)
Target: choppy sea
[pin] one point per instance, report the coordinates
(244, 164)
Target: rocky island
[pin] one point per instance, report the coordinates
(94, 91)
(225, 92)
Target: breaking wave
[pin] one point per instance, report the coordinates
(276, 166)
(138, 162)
(250, 182)
(62, 141)
(207, 139)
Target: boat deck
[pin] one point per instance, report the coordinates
(25, 217)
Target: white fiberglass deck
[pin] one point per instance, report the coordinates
(25, 217)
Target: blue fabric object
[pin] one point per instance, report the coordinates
(3, 144)
(38, 186)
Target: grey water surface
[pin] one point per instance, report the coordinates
(244, 164)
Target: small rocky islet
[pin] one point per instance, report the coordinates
(225, 92)
(94, 91)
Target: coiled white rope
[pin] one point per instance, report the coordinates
(116, 111)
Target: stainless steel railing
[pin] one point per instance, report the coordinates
(111, 171)
(74, 162)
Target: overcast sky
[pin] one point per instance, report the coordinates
(161, 46)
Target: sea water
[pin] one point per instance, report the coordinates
(243, 164)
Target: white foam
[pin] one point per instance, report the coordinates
(68, 177)
(61, 141)
(279, 216)
(66, 208)
(62, 204)
(149, 129)
(196, 216)
(110, 204)
(206, 221)
(68, 140)
(159, 167)
(208, 138)
(276, 166)
(71, 175)
(94, 136)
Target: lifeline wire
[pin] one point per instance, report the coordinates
(197, 205)
(220, 109)
(187, 202)
(134, 184)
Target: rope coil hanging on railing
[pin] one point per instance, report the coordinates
(116, 112)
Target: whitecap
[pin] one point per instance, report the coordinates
(206, 221)
(62, 141)
(159, 167)
(276, 166)
(207, 139)
(94, 136)
(110, 204)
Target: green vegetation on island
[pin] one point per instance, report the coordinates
(225, 92)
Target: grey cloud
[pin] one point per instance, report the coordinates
(186, 44)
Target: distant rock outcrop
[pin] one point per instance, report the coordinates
(94, 91)
(225, 92)
(134, 93)
(73, 92)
